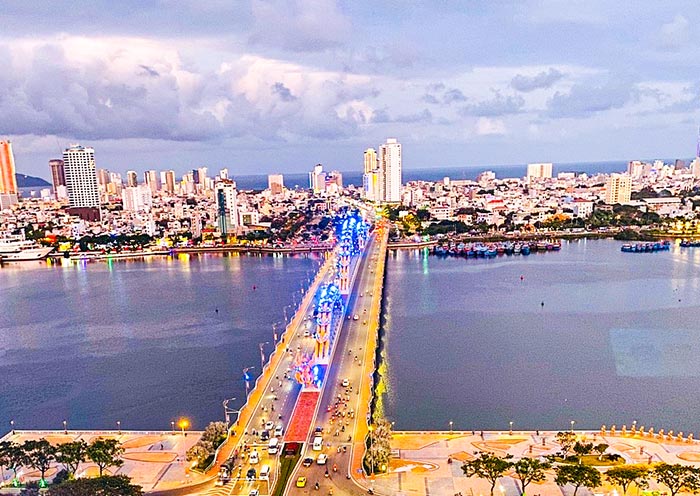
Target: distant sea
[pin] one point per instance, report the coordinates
(259, 181)
(438, 173)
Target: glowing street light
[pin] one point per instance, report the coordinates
(12, 426)
(172, 426)
(119, 427)
(451, 426)
(65, 427)
(572, 425)
(228, 411)
(247, 377)
(510, 429)
(262, 354)
(183, 424)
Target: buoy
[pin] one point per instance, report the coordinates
(522, 277)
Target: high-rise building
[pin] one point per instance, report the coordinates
(390, 171)
(317, 179)
(151, 179)
(223, 174)
(137, 199)
(169, 183)
(275, 182)
(81, 181)
(540, 171)
(618, 189)
(202, 176)
(370, 160)
(132, 179)
(58, 176)
(371, 176)
(8, 179)
(226, 209)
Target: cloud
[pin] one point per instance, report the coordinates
(675, 34)
(486, 126)
(298, 25)
(448, 96)
(542, 80)
(497, 106)
(282, 92)
(586, 99)
(382, 116)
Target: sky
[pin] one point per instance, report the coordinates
(280, 85)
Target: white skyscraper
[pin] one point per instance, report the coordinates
(542, 170)
(370, 178)
(226, 209)
(317, 179)
(137, 199)
(618, 189)
(81, 177)
(390, 171)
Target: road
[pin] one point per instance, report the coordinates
(337, 413)
(276, 393)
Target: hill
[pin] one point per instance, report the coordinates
(24, 181)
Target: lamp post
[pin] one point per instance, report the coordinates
(274, 333)
(12, 426)
(172, 426)
(510, 427)
(183, 424)
(65, 427)
(572, 425)
(119, 427)
(228, 411)
(451, 426)
(262, 354)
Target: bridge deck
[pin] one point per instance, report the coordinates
(303, 415)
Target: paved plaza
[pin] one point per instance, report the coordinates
(153, 460)
(429, 463)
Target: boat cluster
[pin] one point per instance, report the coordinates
(646, 247)
(484, 250)
(690, 244)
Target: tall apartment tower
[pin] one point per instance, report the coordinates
(58, 178)
(169, 182)
(81, 181)
(371, 176)
(226, 209)
(540, 171)
(317, 179)
(132, 179)
(150, 177)
(275, 183)
(390, 171)
(618, 189)
(8, 180)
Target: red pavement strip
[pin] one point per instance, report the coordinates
(298, 428)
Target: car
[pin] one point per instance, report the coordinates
(269, 425)
(362, 294)
(356, 317)
(279, 430)
(254, 457)
(345, 383)
(308, 461)
(254, 492)
(322, 459)
(318, 429)
(301, 482)
(307, 334)
(251, 474)
(364, 322)
(265, 435)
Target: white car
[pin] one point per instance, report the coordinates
(345, 383)
(269, 425)
(279, 430)
(356, 317)
(322, 459)
(254, 457)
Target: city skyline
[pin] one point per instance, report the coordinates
(568, 83)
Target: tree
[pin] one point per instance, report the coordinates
(39, 454)
(119, 485)
(582, 449)
(566, 440)
(378, 449)
(529, 470)
(488, 466)
(677, 477)
(71, 455)
(577, 475)
(625, 475)
(600, 449)
(11, 456)
(105, 453)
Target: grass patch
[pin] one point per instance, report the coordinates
(286, 468)
(593, 460)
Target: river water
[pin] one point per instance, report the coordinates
(140, 342)
(617, 339)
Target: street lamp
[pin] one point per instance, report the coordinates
(172, 426)
(228, 411)
(183, 424)
(262, 354)
(12, 426)
(572, 425)
(119, 427)
(65, 427)
(451, 426)
(510, 429)
(274, 333)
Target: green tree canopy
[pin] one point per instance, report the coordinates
(529, 470)
(488, 466)
(118, 485)
(71, 455)
(677, 477)
(11, 456)
(566, 440)
(577, 475)
(39, 454)
(105, 453)
(625, 475)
